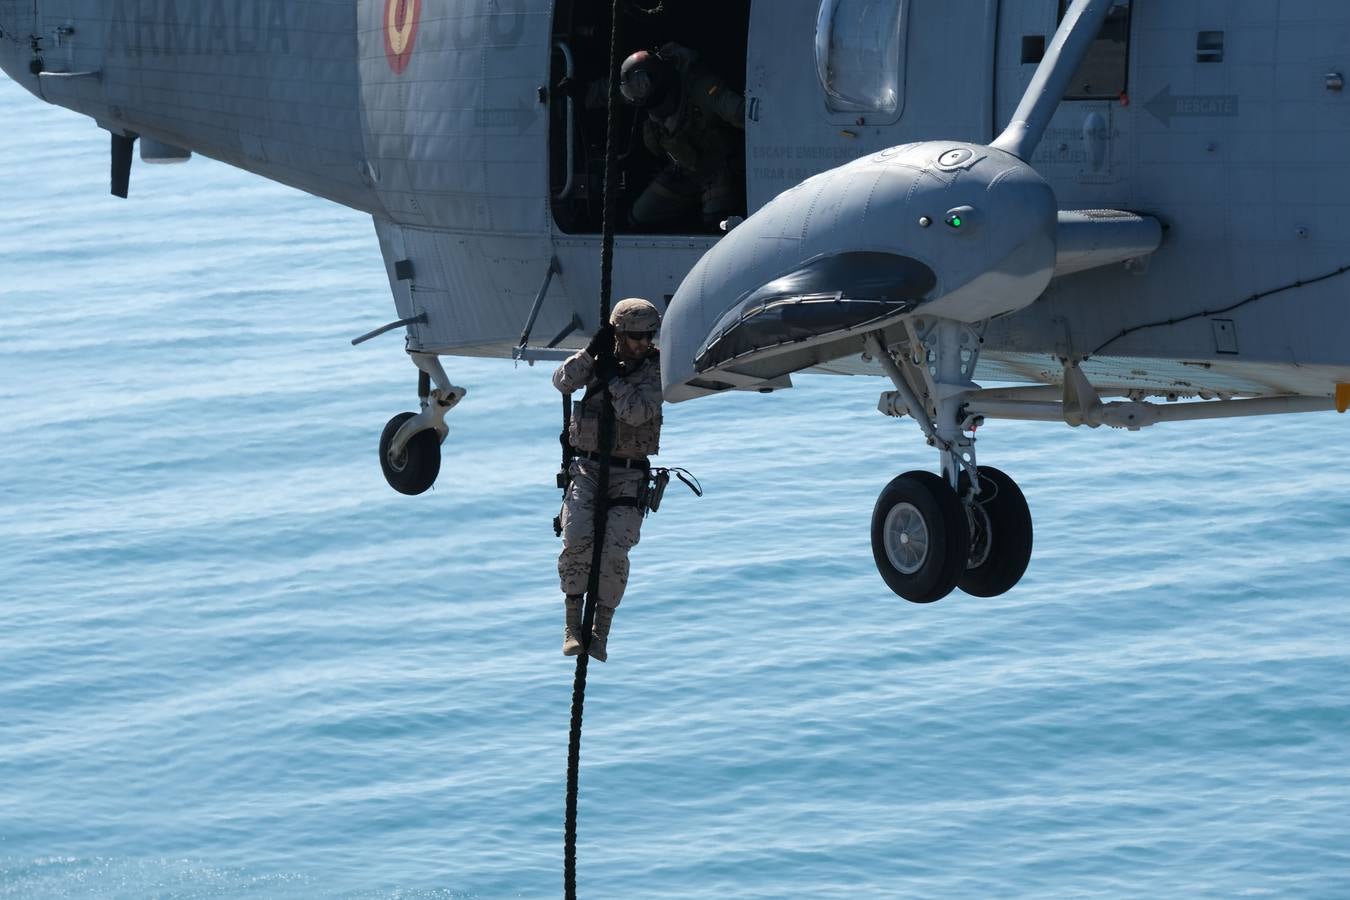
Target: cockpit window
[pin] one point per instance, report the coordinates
(859, 50)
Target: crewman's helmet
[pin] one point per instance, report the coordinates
(635, 315)
(647, 80)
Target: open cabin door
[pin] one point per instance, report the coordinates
(831, 81)
(713, 31)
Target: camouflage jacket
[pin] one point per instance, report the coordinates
(637, 405)
(696, 137)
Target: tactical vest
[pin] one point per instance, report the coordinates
(630, 441)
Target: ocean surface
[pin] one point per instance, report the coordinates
(233, 663)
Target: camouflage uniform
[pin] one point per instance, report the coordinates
(705, 169)
(637, 414)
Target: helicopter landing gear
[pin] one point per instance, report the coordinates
(919, 537)
(410, 445)
(969, 527)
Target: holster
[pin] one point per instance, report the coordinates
(568, 452)
(655, 489)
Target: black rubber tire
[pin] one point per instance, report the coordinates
(416, 471)
(947, 533)
(1010, 535)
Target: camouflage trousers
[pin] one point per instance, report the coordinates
(578, 523)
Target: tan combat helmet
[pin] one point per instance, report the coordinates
(635, 314)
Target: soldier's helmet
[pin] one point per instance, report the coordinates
(635, 314)
(647, 80)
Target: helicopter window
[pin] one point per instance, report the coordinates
(1209, 47)
(859, 44)
(1103, 73)
(1033, 48)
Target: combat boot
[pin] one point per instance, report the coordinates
(572, 630)
(604, 615)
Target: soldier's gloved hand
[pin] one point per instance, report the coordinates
(602, 344)
(606, 368)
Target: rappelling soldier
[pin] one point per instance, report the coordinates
(691, 122)
(621, 356)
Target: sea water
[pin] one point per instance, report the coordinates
(234, 663)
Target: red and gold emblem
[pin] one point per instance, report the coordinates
(400, 31)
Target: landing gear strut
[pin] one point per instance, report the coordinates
(410, 446)
(969, 527)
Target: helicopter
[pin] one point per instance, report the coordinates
(1121, 213)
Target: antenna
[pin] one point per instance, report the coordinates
(1066, 53)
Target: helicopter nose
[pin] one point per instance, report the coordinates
(963, 231)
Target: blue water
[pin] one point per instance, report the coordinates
(233, 663)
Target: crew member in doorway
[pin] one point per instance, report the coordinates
(692, 117)
(621, 355)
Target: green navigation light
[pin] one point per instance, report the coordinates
(956, 218)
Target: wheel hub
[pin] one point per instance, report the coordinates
(905, 536)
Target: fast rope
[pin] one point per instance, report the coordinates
(606, 445)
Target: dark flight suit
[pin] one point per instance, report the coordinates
(704, 169)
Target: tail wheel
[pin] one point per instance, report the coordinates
(920, 537)
(1001, 535)
(415, 469)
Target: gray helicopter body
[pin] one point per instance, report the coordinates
(1133, 200)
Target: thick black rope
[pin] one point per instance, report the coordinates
(606, 444)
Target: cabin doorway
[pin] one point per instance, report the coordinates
(717, 30)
